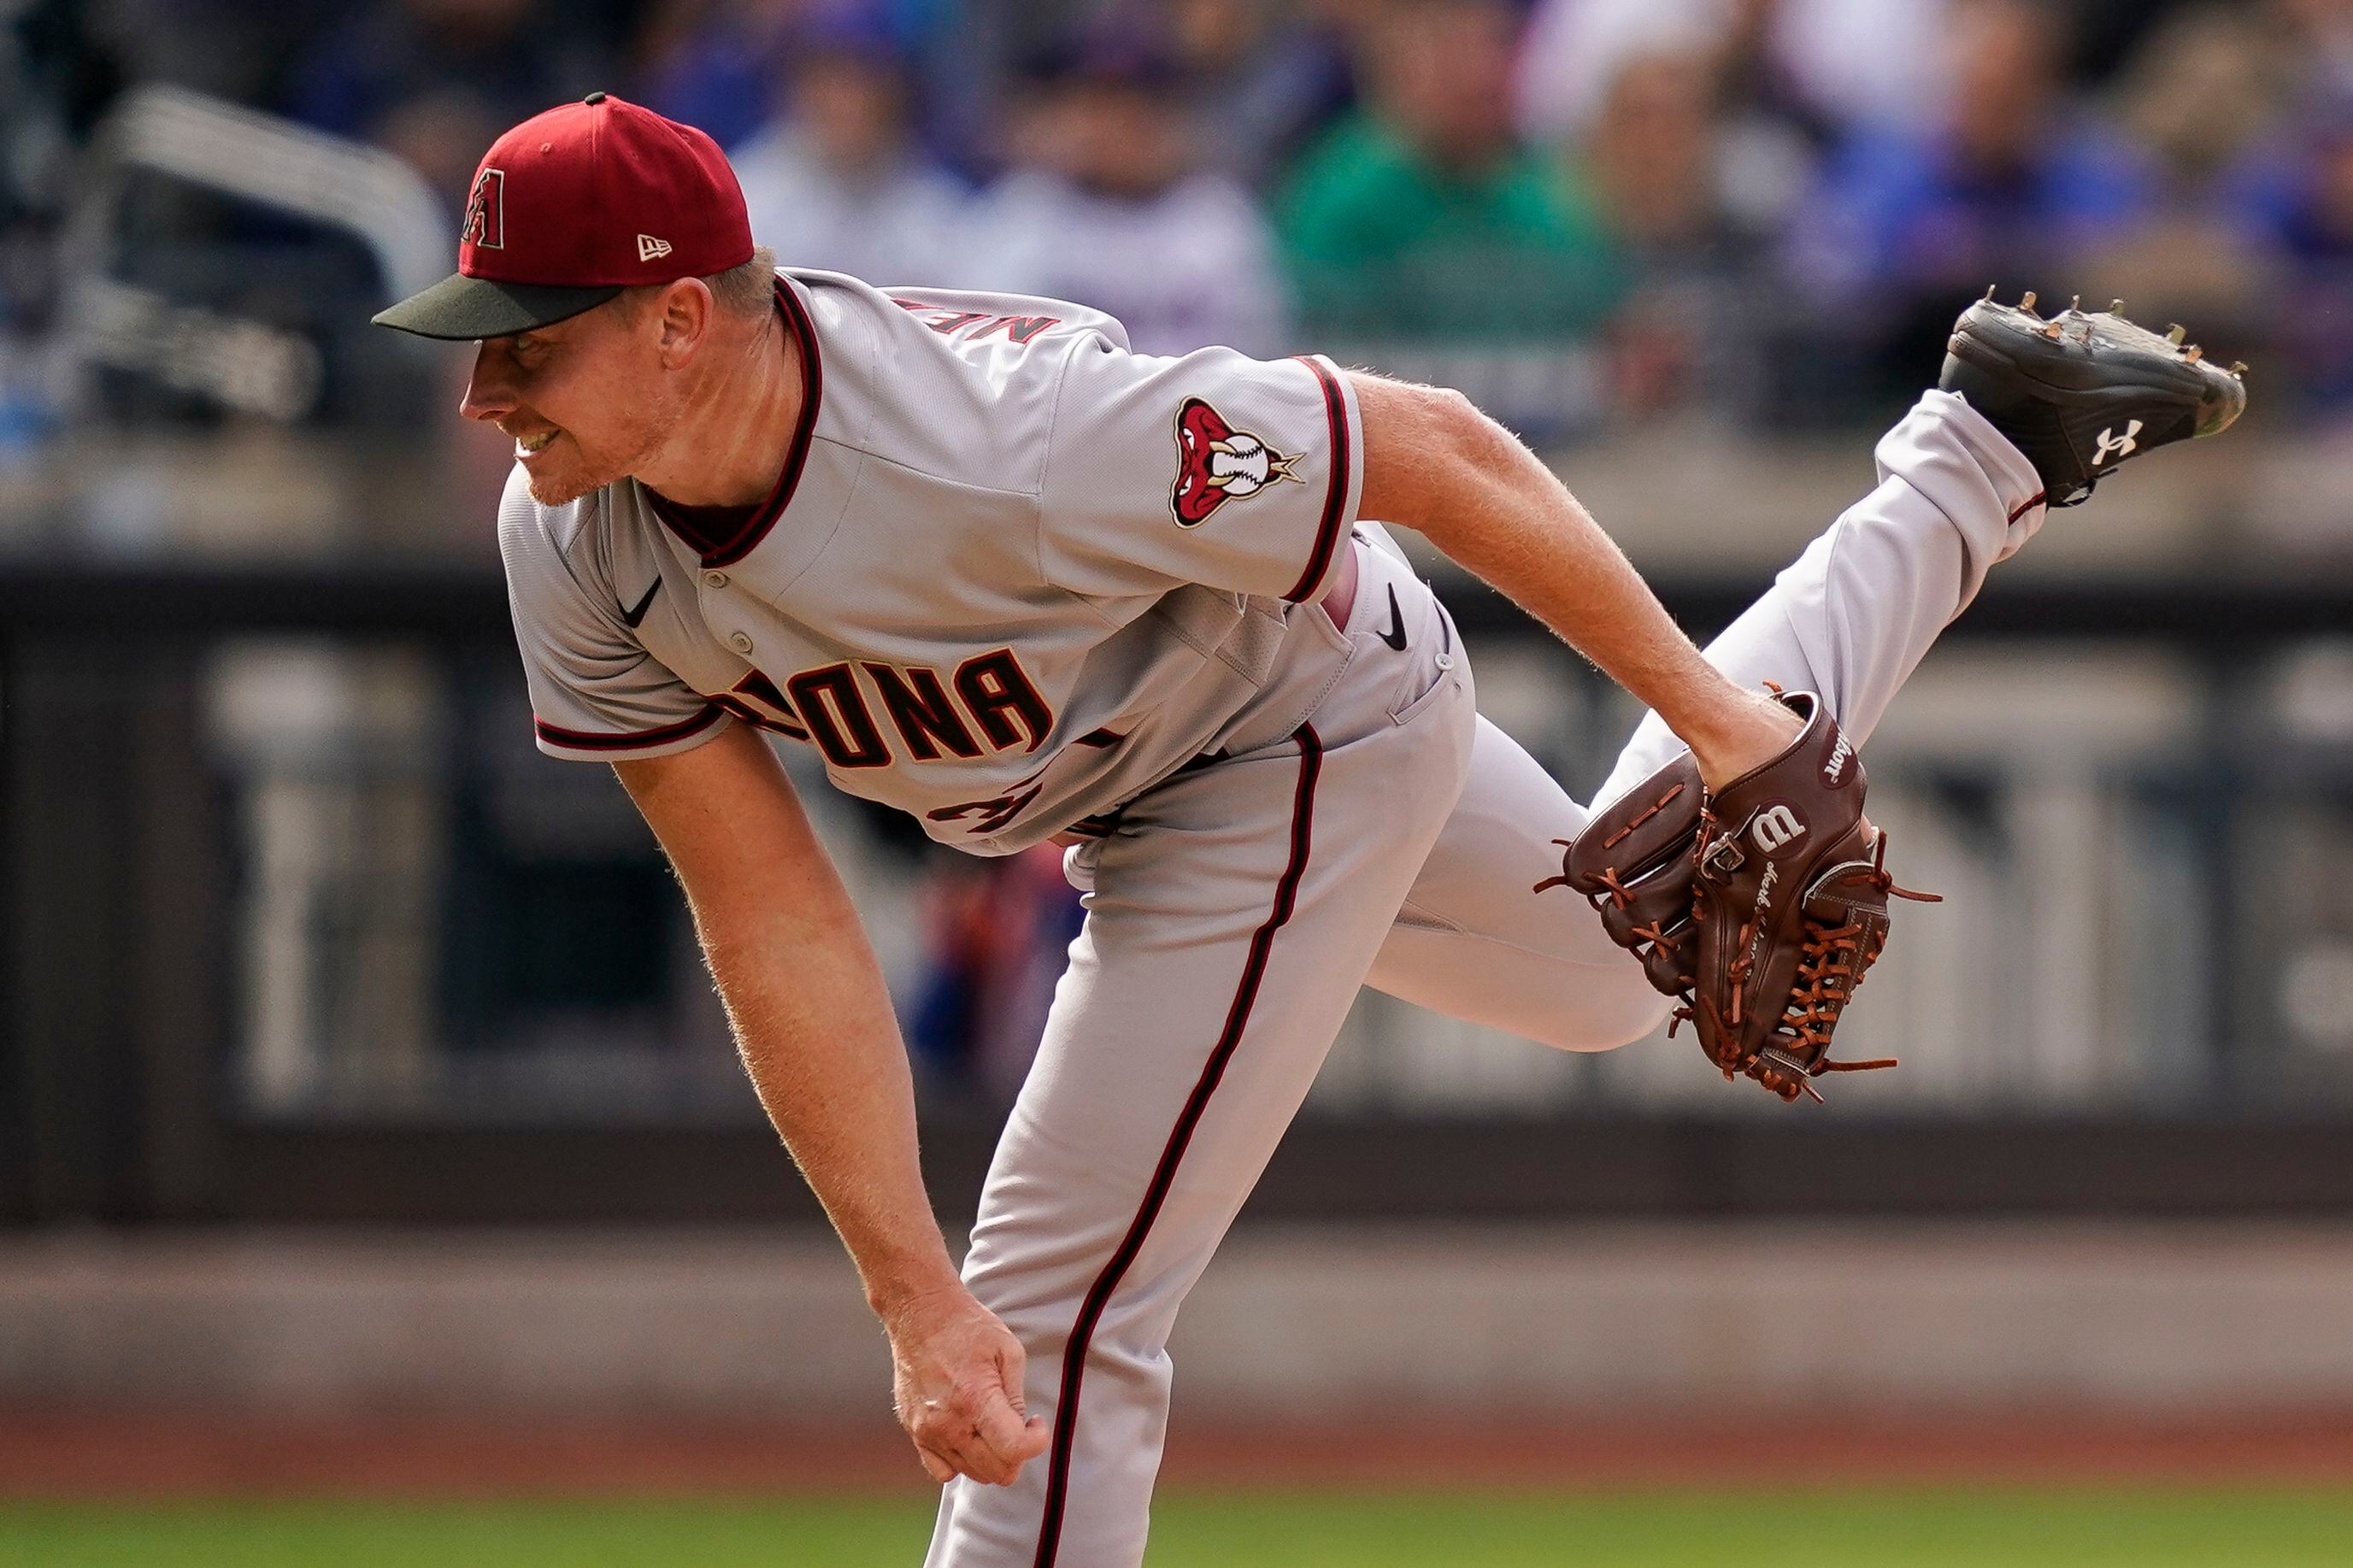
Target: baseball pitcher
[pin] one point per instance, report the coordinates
(1002, 572)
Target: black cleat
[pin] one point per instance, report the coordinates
(2081, 392)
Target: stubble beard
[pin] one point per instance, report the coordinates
(637, 443)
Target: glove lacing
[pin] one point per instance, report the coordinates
(1832, 962)
(1609, 874)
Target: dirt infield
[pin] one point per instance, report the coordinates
(70, 1454)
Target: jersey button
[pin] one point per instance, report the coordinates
(714, 579)
(739, 642)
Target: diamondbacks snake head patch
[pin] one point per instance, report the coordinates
(1217, 463)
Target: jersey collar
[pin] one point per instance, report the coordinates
(755, 527)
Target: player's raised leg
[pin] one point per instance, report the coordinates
(1850, 619)
(2021, 416)
(2027, 412)
(1852, 616)
(1230, 920)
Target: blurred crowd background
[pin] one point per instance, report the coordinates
(1697, 251)
(1765, 207)
(298, 929)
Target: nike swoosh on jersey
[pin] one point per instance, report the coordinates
(1395, 635)
(630, 618)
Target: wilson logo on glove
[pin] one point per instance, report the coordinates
(1763, 954)
(1774, 825)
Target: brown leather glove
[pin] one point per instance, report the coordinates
(1788, 909)
(1759, 907)
(1634, 863)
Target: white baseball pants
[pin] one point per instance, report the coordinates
(1395, 840)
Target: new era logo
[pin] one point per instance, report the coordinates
(649, 247)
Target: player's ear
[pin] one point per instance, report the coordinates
(684, 310)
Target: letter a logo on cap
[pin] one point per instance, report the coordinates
(486, 211)
(648, 247)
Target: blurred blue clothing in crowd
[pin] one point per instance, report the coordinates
(840, 180)
(730, 73)
(1261, 80)
(2010, 178)
(1112, 201)
(1913, 213)
(2297, 198)
(423, 77)
(996, 937)
(1183, 268)
(724, 81)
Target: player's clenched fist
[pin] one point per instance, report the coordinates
(956, 1380)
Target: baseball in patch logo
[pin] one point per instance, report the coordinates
(486, 211)
(1217, 463)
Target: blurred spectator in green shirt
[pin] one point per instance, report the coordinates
(1422, 216)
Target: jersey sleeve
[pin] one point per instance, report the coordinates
(597, 695)
(1212, 468)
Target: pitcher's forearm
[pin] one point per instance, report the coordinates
(814, 1025)
(1552, 561)
(812, 1018)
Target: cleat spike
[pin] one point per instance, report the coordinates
(2116, 307)
(2026, 304)
(2174, 333)
(1988, 293)
(2075, 303)
(2047, 381)
(2238, 367)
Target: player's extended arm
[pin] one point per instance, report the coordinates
(1437, 465)
(814, 1024)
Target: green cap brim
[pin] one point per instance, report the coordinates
(460, 308)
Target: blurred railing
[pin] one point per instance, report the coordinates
(298, 924)
(256, 367)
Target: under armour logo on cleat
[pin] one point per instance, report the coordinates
(2114, 446)
(649, 247)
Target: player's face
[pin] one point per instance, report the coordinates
(587, 401)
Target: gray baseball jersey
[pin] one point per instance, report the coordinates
(1012, 574)
(1015, 576)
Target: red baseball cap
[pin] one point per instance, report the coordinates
(573, 206)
